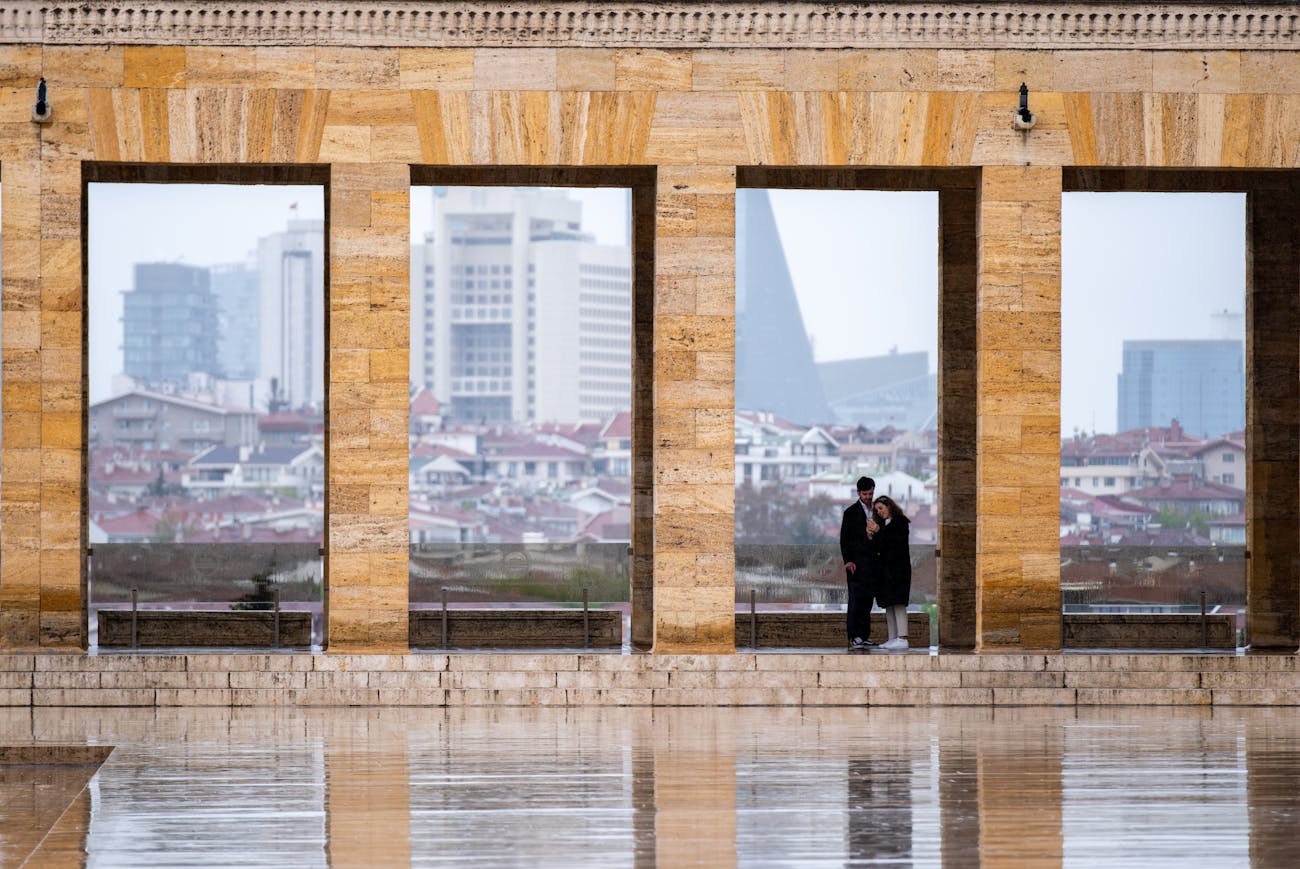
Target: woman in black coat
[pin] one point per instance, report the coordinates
(894, 583)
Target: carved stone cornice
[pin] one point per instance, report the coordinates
(611, 23)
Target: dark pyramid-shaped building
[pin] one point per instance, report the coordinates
(775, 371)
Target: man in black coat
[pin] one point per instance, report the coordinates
(857, 550)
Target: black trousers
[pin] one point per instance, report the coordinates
(859, 614)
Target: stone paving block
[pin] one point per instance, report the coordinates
(1143, 697)
(634, 680)
(16, 679)
(1012, 679)
(268, 679)
(931, 696)
(1138, 679)
(1265, 679)
(888, 679)
(364, 663)
(498, 663)
(424, 661)
(506, 697)
(234, 662)
(610, 696)
(15, 697)
(323, 679)
(193, 697)
(64, 679)
(994, 661)
(1255, 697)
(92, 697)
(109, 663)
(412, 697)
(17, 663)
(160, 679)
(727, 697)
(499, 680)
(835, 697)
(421, 680)
(1034, 697)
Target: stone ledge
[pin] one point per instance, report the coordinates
(781, 679)
(662, 24)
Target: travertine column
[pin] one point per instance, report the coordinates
(694, 400)
(1273, 418)
(41, 601)
(369, 298)
(20, 498)
(957, 519)
(1018, 322)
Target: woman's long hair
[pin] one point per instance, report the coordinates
(895, 512)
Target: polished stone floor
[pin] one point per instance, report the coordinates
(645, 787)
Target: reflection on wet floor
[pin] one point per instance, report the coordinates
(667, 787)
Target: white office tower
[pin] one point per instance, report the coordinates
(292, 352)
(524, 317)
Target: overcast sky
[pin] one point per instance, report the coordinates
(1135, 266)
(194, 224)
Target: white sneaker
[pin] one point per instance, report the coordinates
(897, 644)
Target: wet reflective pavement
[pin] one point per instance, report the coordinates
(668, 787)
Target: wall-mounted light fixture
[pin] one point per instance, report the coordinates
(1023, 119)
(42, 112)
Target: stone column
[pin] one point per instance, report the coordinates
(20, 497)
(1273, 418)
(694, 406)
(957, 412)
(1018, 409)
(41, 530)
(367, 584)
(643, 395)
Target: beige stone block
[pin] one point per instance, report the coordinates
(703, 110)
(890, 70)
(966, 70)
(652, 70)
(585, 69)
(67, 67)
(442, 121)
(442, 69)
(1196, 71)
(515, 69)
(345, 144)
(357, 68)
(389, 500)
(1013, 68)
(738, 70)
(812, 69)
(361, 108)
(20, 66)
(1112, 71)
(210, 66)
(284, 67)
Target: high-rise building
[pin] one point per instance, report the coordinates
(1202, 384)
(169, 325)
(238, 290)
(516, 313)
(775, 371)
(291, 267)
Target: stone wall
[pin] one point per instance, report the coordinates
(366, 90)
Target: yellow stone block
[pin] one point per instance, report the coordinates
(357, 68)
(652, 70)
(441, 69)
(154, 66)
